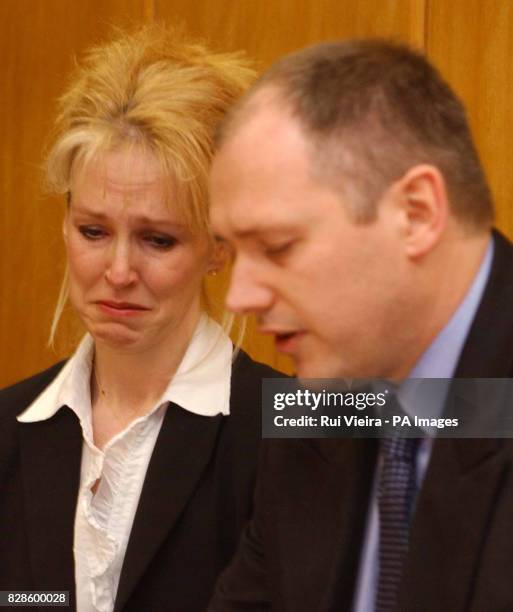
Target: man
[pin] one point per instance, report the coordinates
(349, 186)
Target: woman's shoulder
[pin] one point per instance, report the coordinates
(15, 398)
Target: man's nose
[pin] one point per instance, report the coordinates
(247, 294)
(120, 270)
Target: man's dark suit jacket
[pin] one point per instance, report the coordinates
(195, 500)
(301, 551)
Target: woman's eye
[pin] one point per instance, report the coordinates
(91, 232)
(160, 241)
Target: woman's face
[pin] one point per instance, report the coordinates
(135, 268)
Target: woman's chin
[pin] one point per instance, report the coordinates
(115, 336)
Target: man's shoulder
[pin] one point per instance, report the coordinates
(488, 348)
(502, 242)
(247, 369)
(15, 398)
(502, 266)
(246, 391)
(247, 375)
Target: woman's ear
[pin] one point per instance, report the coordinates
(218, 258)
(65, 226)
(422, 196)
(65, 221)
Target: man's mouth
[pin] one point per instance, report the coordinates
(287, 341)
(284, 336)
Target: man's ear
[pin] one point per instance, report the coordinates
(422, 196)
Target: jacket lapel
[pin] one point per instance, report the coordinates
(330, 484)
(50, 454)
(353, 475)
(183, 450)
(465, 476)
(454, 508)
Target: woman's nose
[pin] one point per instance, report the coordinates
(120, 270)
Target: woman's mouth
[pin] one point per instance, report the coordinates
(121, 309)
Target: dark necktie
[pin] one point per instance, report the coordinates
(396, 493)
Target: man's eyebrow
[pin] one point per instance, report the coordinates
(259, 230)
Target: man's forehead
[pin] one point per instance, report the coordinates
(269, 146)
(245, 214)
(260, 171)
(260, 115)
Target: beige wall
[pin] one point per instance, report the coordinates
(470, 41)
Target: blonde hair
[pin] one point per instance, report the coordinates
(150, 89)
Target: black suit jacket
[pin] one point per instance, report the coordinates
(302, 549)
(195, 500)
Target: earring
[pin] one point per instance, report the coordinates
(213, 272)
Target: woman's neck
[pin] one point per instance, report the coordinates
(131, 382)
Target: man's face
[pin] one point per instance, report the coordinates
(330, 291)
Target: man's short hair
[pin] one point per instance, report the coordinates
(372, 109)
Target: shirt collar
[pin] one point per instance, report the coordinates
(441, 357)
(439, 361)
(200, 385)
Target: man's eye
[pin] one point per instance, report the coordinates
(160, 241)
(278, 249)
(91, 232)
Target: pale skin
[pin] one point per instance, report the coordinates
(343, 299)
(136, 271)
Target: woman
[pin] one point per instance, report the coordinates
(126, 473)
